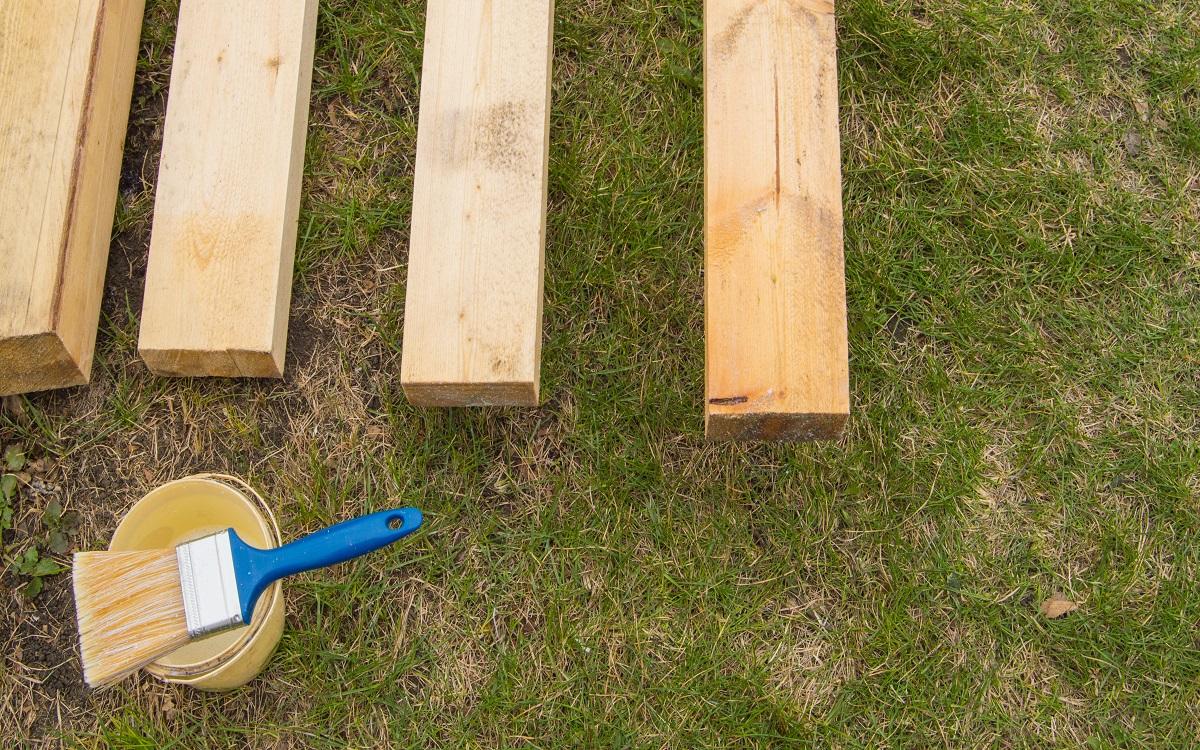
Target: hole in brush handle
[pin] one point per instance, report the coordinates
(403, 521)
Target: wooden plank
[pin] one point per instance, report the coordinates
(219, 280)
(775, 297)
(473, 310)
(66, 79)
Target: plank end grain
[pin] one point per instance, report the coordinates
(776, 364)
(226, 363)
(472, 394)
(38, 362)
(777, 427)
(66, 77)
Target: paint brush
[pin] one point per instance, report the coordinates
(134, 607)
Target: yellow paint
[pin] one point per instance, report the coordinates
(194, 507)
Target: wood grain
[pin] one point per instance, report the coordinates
(66, 77)
(219, 280)
(775, 299)
(473, 310)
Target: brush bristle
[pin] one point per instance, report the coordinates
(130, 609)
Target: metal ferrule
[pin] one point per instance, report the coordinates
(210, 593)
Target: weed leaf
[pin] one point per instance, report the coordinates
(14, 458)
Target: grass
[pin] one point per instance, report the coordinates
(1021, 183)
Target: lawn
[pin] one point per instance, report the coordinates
(1022, 207)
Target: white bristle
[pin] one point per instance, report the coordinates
(130, 611)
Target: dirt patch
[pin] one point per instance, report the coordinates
(42, 668)
(41, 671)
(127, 254)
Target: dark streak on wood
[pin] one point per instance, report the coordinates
(811, 7)
(778, 146)
(724, 44)
(728, 400)
(81, 137)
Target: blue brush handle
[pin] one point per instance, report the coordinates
(258, 568)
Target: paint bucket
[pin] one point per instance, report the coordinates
(187, 509)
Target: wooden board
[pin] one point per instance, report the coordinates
(219, 280)
(775, 297)
(66, 78)
(473, 310)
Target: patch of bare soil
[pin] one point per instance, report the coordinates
(42, 672)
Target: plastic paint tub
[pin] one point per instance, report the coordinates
(187, 509)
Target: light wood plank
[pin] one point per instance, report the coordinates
(66, 79)
(775, 319)
(473, 310)
(219, 280)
